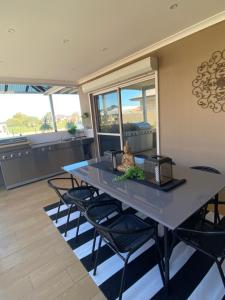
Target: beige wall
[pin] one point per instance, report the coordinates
(189, 134)
(85, 107)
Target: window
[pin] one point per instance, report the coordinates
(139, 115)
(67, 111)
(108, 112)
(132, 108)
(137, 124)
(139, 104)
(22, 114)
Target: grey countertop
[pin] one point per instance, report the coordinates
(168, 208)
(58, 142)
(28, 145)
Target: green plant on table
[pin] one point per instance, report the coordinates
(132, 173)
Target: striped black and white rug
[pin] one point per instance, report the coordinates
(193, 275)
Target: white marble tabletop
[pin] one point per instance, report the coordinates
(168, 208)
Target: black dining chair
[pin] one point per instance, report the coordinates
(215, 200)
(206, 237)
(108, 207)
(125, 234)
(103, 211)
(80, 192)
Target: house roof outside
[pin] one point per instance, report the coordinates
(34, 89)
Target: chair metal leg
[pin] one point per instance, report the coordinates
(96, 258)
(93, 246)
(123, 277)
(221, 272)
(216, 210)
(68, 219)
(78, 225)
(97, 192)
(204, 209)
(72, 183)
(60, 203)
(222, 260)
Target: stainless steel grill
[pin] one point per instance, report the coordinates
(139, 136)
(20, 163)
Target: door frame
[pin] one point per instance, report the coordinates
(117, 88)
(94, 112)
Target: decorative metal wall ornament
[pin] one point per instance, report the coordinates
(209, 84)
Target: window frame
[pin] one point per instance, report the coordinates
(52, 111)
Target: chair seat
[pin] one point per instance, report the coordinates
(80, 194)
(128, 242)
(101, 212)
(212, 244)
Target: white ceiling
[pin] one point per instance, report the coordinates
(63, 41)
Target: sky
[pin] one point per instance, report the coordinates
(36, 105)
(126, 95)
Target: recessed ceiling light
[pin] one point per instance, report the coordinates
(11, 30)
(173, 6)
(65, 41)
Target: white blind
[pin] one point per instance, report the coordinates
(141, 67)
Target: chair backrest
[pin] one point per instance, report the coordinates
(213, 239)
(206, 169)
(82, 200)
(105, 230)
(59, 189)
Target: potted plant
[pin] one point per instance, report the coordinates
(72, 128)
(133, 172)
(85, 117)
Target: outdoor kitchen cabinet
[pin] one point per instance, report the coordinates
(41, 161)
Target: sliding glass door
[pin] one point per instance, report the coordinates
(139, 116)
(108, 122)
(128, 113)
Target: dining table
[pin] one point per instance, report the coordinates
(170, 208)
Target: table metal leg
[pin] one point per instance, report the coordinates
(166, 255)
(216, 210)
(71, 176)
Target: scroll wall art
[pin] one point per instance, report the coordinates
(209, 84)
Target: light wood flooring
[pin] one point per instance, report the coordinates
(35, 261)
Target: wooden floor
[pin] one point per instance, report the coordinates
(35, 261)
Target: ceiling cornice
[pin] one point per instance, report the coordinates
(146, 51)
